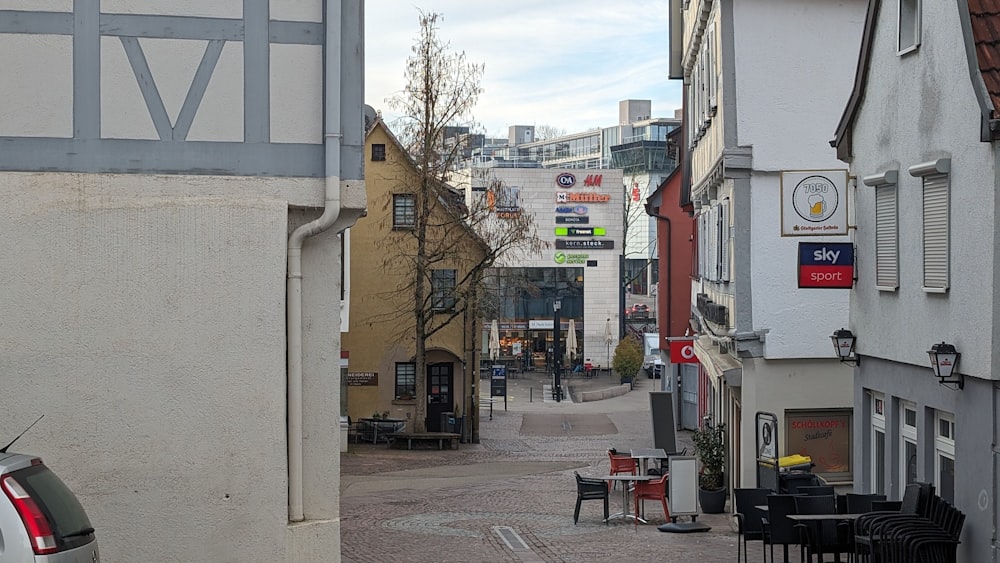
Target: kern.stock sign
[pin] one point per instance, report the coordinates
(826, 264)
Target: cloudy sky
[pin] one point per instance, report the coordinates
(562, 63)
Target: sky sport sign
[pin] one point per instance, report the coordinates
(826, 265)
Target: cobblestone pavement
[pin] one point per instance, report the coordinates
(511, 497)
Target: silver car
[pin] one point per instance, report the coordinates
(41, 521)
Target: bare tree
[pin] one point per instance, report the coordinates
(545, 132)
(448, 232)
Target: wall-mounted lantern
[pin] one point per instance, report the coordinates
(944, 361)
(843, 344)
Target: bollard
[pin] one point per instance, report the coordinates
(531, 391)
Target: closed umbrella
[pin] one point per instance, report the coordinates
(571, 341)
(494, 345)
(609, 339)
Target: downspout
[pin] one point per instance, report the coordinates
(332, 137)
(654, 211)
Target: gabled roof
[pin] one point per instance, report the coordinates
(981, 32)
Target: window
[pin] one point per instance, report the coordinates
(825, 436)
(944, 455)
(443, 287)
(908, 444)
(909, 26)
(406, 380)
(378, 151)
(935, 223)
(878, 444)
(404, 211)
(886, 229)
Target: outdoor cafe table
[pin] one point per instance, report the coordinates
(625, 480)
(381, 427)
(646, 454)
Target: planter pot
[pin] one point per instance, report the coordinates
(712, 502)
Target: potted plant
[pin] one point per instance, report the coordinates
(710, 447)
(628, 359)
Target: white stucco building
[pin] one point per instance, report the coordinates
(764, 81)
(927, 255)
(155, 159)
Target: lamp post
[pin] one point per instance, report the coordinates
(556, 352)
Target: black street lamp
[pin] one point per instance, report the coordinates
(944, 358)
(556, 352)
(843, 343)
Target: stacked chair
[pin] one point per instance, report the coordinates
(926, 529)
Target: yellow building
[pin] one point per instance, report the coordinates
(380, 343)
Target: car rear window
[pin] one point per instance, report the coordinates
(58, 503)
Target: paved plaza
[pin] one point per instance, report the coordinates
(511, 497)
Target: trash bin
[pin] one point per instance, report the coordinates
(794, 471)
(448, 422)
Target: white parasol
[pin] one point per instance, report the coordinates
(571, 341)
(494, 345)
(609, 339)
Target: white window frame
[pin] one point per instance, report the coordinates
(886, 229)
(936, 222)
(877, 427)
(944, 445)
(907, 435)
(908, 18)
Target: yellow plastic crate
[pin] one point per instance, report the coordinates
(794, 460)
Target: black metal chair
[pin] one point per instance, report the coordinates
(825, 536)
(749, 518)
(590, 489)
(816, 490)
(886, 505)
(859, 503)
(778, 529)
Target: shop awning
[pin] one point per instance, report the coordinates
(718, 365)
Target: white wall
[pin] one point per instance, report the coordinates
(908, 118)
(790, 93)
(798, 322)
(145, 317)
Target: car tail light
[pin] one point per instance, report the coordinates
(39, 530)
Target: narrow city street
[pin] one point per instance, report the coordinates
(511, 497)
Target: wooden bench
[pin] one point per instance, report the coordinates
(396, 439)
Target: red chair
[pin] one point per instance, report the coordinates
(652, 490)
(622, 464)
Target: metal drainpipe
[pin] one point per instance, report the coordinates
(331, 143)
(653, 211)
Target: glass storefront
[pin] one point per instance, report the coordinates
(522, 301)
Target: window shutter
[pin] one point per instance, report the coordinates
(936, 231)
(702, 243)
(726, 236)
(886, 238)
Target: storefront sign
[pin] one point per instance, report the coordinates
(814, 202)
(575, 209)
(362, 378)
(593, 180)
(824, 436)
(682, 352)
(586, 197)
(581, 231)
(567, 258)
(585, 244)
(826, 265)
(572, 220)
(566, 180)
